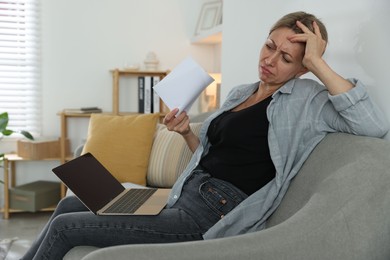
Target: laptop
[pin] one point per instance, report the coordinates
(102, 194)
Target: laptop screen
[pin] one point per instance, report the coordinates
(87, 178)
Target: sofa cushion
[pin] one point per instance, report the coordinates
(122, 144)
(169, 157)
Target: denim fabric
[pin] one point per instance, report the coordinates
(203, 203)
(208, 199)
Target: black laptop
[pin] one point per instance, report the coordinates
(95, 186)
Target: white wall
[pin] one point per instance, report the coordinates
(359, 40)
(84, 40)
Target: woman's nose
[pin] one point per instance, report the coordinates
(270, 61)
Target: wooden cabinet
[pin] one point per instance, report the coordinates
(9, 177)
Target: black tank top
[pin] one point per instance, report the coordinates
(239, 151)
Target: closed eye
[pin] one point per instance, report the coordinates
(270, 46)
(286, 59)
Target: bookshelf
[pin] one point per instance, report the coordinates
(117, 73)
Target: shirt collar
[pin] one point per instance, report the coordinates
(286, 88)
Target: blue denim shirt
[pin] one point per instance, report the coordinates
(300, 114)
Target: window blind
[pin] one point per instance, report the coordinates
(20, 64)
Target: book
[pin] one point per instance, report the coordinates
(83, 110)
(148, 99)
(155, 96)
(181, 87)
(141, 94)
(148, 95)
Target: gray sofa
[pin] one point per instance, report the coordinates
(337, 207)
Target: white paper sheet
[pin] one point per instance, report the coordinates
(181, 87)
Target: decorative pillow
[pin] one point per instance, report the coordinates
(122, 144)
(169, 157)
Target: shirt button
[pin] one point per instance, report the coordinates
(175, 197)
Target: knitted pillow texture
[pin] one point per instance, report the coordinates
(169, 157)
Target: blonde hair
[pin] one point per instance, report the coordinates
(289, 21)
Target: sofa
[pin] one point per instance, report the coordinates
(337, 207)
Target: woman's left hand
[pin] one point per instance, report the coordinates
(312, 59)
(315, 45)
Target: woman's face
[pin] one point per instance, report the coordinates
(280, 59)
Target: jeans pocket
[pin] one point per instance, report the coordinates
(219, 197)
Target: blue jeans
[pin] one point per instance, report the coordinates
(203, 202)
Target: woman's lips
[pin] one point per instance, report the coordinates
(265, 71)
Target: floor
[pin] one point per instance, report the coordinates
(23, 226)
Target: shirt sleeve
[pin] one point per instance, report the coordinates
(354, 112)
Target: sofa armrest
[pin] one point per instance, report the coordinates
(312, 233)
(290, 241)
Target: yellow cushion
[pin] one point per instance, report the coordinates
(122, 144)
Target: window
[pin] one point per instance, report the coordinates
(20, 64)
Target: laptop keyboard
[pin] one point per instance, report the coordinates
(130, 201)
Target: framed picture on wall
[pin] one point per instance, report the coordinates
(210, 16)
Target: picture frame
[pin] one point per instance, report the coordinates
(210, 16)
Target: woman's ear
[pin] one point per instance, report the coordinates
(303, 71)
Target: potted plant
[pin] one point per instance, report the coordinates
(7, 132)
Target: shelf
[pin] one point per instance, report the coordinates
(160, 73)
(212, 36)
(14, 157)
(69, 114)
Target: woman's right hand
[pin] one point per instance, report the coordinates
(179, 124)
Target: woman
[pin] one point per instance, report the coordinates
(246, 154)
